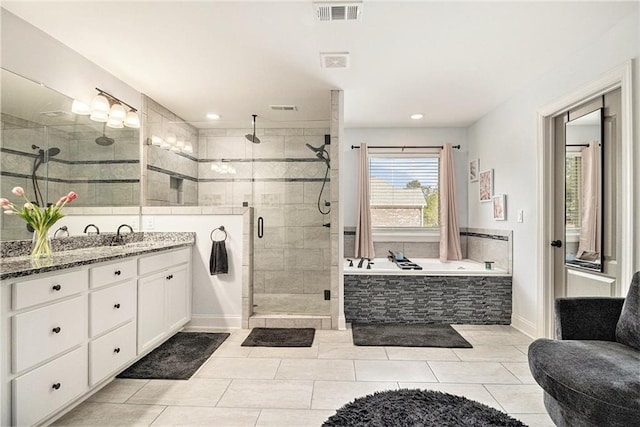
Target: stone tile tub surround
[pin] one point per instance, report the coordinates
(82, 250)
(478, 244)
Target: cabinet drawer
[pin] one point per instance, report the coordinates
(111, 306)
(112, 273)
(163, 260)
(44, 390)
(42, 333)
(49, 288)
(110, 352)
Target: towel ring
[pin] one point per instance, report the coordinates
(221, 228)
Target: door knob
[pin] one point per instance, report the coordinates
(556, 243)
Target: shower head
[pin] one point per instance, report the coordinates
(104, 140)
(43, 155)
(253, 138)
(315, 149)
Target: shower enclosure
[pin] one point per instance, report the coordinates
(291, 238)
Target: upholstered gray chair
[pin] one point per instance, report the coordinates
(591, 374)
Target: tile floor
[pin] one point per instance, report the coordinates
(259, 386)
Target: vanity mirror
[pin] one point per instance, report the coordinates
(584, 190)
(49, 151)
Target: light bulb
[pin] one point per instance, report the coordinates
(99, 116)
(132, 120)
(156, 140)
(79, 107)
(100, 103)
(117, 112)
(171, 139)
(115, 123)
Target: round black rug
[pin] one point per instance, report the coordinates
(414, 408)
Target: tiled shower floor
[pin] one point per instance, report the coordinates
(259, 386)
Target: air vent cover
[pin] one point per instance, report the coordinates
(283, 107)
(338, 11)
(334, 59)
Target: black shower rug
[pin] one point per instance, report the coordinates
(176, 359)
(280, 337)
(407, 335)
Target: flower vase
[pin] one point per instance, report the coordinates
(41, 244)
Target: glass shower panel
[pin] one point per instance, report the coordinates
(292, 249)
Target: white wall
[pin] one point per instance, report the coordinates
(399, 137)
(506, 140)
(33, 54)
(217, 300)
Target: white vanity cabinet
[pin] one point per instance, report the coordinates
(66, 333)
(164, 296)
(43, 345)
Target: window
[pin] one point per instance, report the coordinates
(404, 190)
(573, 190)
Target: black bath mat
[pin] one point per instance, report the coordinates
(280, 337)
(413, 407)
(176, 359)
(407, 335)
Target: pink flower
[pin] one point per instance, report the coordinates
(62, 200)
(29, 206)
(71, 196)
(5, 203)
(18, 191)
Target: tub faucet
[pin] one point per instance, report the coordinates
(91, 225)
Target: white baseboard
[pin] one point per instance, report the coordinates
(205, 322)
(525, 326)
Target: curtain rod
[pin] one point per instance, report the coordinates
(406, 146)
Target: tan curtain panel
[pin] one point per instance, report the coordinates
(364, 239)
(449, 230)
(590, 229)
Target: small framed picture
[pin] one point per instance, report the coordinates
(499, 207)
(486, 185)
(473, 170)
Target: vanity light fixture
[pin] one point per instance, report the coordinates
(106, 108)
(417, 116)
(156, 140)
(177, 146)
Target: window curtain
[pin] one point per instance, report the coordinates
(449, 230)
(590, 229)
(364, 238)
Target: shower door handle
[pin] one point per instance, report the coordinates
(260, 227)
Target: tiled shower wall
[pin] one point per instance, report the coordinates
(171, 177)
(281, 179)
(101, 175)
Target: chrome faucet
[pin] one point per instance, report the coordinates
(92, 225)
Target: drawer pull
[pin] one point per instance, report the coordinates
(56, 330)
(117, 272)
(56, 386)
(116, 350)
(116, 306)
(56, 287)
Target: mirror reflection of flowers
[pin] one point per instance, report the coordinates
(40, 219)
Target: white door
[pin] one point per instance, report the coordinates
(176, 297)
(151, 306)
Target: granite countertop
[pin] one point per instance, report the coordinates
(74, 252)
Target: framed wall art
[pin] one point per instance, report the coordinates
(499, 207)
(486, 185)
(474, 166)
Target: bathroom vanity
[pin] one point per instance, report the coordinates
(70, 326)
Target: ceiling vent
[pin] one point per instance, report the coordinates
(334, 60)
(283, 107)
(346, 11)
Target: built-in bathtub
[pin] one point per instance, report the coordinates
(429, 267)
(454, 292)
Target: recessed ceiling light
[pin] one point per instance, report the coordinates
(417, 116)
(213, 116)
